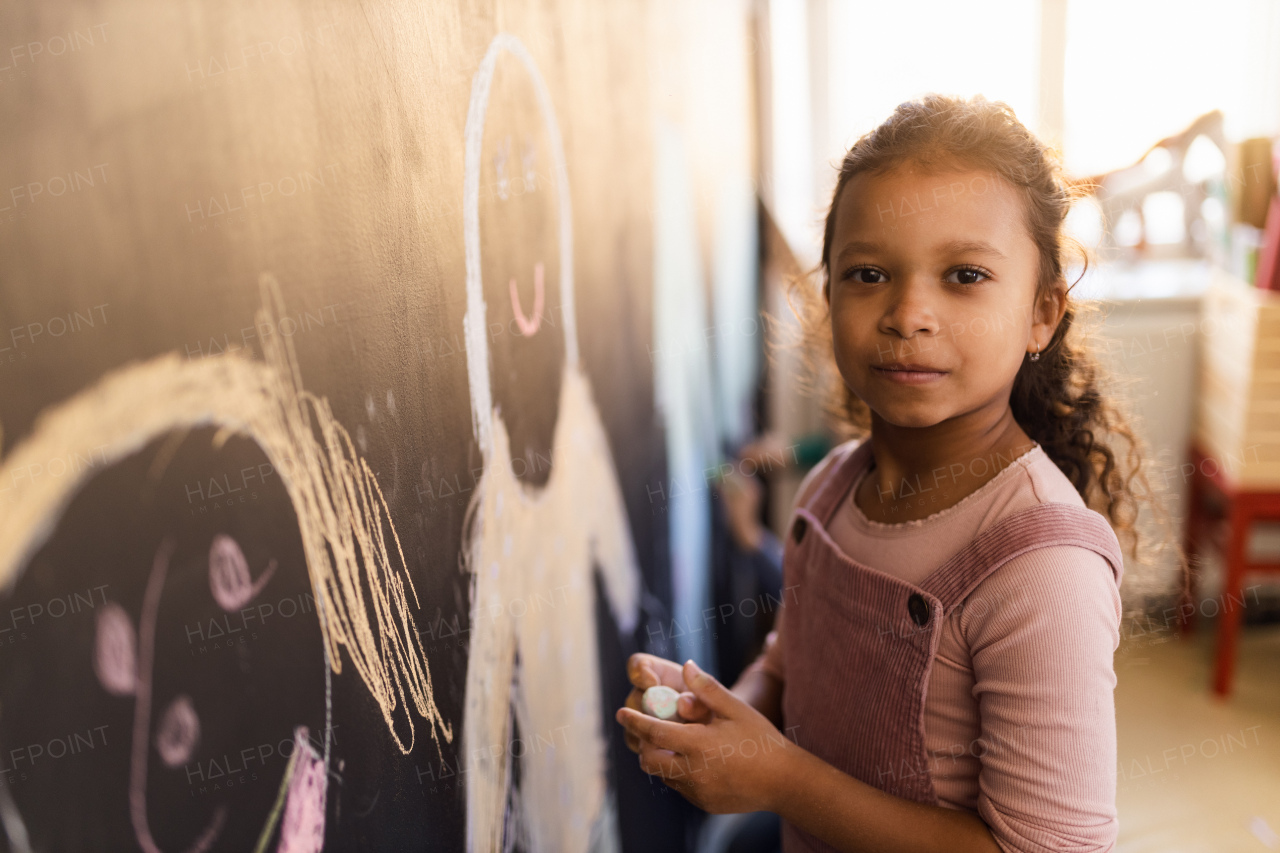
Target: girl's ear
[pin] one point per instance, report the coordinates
(1050, 309)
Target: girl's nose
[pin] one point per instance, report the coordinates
(910, 311)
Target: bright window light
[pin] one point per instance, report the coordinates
(1138, 71)
(882, 54)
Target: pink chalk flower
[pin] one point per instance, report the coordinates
(115, 651)
(303, 827)
(229, 579)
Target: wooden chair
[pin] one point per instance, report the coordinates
(1235, 456)
(1239, 507)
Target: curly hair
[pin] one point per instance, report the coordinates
(1060, 400)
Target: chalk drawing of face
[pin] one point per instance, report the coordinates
(533, 741)
(343, 556)
(207, 669)
(520, 266)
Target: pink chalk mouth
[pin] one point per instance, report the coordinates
(529, 327)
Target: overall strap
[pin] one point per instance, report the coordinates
(837, 480)
(1039, 526)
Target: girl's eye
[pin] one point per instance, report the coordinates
(865, 275)
(968, 275)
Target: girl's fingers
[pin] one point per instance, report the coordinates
(662, 763)
(640, 671)
(691, 709)
(646, 670)
(662, 734)
(711, 692)
(674, 770)
(633, 702)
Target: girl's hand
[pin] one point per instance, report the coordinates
(645, 671)
(728, 764)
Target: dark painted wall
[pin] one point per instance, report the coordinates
(155, 159)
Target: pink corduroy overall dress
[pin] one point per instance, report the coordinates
(858, 644)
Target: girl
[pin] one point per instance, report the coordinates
(941, 674)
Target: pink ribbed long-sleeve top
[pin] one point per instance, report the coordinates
(1033, 676)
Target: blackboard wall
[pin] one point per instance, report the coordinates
(281, 185)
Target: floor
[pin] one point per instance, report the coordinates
(1198, 774)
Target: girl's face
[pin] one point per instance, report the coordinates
(932, 282)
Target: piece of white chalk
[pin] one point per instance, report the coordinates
(660, 702)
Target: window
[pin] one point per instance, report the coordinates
(1139, 71)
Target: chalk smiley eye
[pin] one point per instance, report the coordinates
(179, 732)
(229, 578)
(500, 168)
(530, 158)
(115, 653)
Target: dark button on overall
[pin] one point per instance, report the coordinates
(799, 529)
(918, 608)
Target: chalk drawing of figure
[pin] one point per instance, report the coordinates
(548, 510)
(124, 662)
(363, 592)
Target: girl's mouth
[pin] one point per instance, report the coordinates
(909, 374)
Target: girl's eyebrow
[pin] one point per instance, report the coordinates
(959, 247)
(859, 246)
(952, 247)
